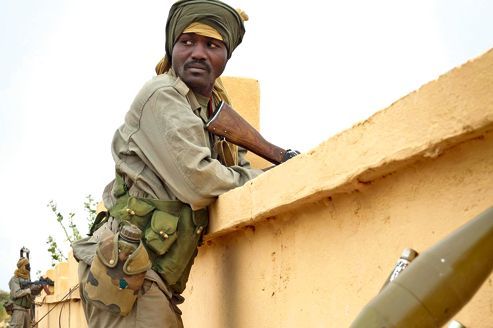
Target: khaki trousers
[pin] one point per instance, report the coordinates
(20, 319)
(152, 308)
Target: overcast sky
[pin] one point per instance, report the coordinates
(70, 70)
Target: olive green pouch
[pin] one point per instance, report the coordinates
(136, 211)
(174, 266)
(161, 233)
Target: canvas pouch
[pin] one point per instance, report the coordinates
(113, 284)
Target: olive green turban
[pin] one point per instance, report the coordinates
(214, 13)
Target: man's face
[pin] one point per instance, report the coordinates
(198, 60)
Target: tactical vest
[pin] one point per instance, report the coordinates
(25, 301)
(172, 232)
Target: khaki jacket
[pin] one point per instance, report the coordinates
(165, 152)
(16, 292)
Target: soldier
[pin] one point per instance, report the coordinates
(22, 298)
(168, 170)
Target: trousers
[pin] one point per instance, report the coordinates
(152, 308)
(20, 319)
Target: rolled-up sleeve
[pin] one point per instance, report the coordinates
(176, 145)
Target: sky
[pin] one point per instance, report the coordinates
(70, 69)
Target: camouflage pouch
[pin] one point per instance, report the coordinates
(114, 282)
(161, 233)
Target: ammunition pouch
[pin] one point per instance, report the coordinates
(24, 301)
(112, 284)
(175, 264)
(172, 232)
(161, 233)
(9, 307)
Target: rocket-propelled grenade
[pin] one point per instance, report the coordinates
(438, 283)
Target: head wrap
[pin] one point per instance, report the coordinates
(218, 18)
(214, 13)
(22, 271)
(203, 29)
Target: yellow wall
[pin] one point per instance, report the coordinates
(63, 307)
(309, 243)
(319, 264)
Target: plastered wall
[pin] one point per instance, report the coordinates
(310, 242)
(318, 265)
(63, 307)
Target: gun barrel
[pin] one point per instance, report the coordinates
(227, 123)
(41, 282)
(438, 283)
(46, 281)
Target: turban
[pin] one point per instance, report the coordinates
(222, 19)
(22, 262)
(214, 13)
(21, 268)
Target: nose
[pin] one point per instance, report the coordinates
(199, 51)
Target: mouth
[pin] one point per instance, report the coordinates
(197, 67)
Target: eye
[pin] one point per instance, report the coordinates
(185, 40)
(214, 44)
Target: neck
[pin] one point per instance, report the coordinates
(204, 93)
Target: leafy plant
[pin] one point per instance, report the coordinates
(69, 228)
(4, 296)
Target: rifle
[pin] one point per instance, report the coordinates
(439, 282)
(41, 282)
(227, 123)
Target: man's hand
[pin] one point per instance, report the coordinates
(35, 289)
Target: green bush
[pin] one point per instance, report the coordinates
(4, 296)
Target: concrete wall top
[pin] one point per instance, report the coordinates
(456, 107)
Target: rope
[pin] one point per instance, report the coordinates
(70, 291)
(60, 316)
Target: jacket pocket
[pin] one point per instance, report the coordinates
(161, 233)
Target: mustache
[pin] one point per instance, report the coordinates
(197, 64)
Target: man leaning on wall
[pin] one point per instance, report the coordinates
(135, 265)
